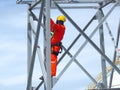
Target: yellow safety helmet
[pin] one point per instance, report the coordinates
(62, 18)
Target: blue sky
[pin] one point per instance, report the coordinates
(13, 47)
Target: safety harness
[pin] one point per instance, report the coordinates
(59, 45)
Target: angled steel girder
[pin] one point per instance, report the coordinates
(100, 15)
(116, 46)
(31, 57)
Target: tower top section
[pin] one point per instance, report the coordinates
(74, 3)
(67, 1)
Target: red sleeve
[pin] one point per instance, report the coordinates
(52, 25)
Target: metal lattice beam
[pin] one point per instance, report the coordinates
(43, 7)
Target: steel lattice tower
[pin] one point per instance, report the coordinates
(42, 17)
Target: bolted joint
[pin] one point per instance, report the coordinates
(99, 14)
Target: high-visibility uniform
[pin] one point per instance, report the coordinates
(58, 31)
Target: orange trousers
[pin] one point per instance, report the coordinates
(53, 64)
(54, 60)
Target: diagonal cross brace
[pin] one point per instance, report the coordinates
(69, 63)
(88, 39)
(39, 53)
(76, 39)
(34, 50)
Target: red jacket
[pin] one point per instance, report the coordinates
(58, 31)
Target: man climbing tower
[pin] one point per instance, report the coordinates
(58, 31)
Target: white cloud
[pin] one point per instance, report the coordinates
(13, 81)
(14, 21)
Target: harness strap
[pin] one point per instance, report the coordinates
(55, 53)
(57, 44)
